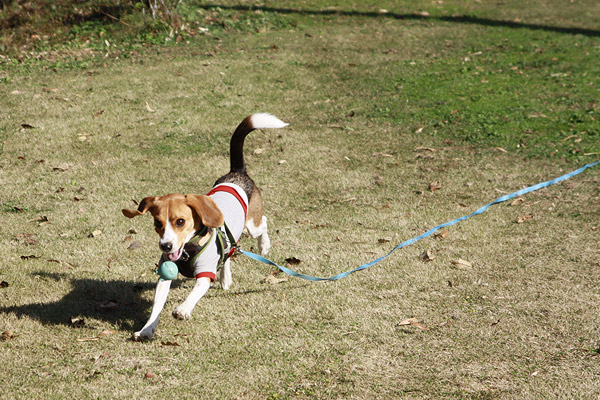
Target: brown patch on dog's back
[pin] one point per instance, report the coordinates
(255, 207)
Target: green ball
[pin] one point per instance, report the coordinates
(168, 270)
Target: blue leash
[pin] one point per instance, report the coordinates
(428, 233)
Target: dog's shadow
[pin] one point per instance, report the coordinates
(123, 304)
(117, 302)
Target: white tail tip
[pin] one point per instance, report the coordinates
(266, 121)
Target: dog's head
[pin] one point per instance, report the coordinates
(177, 218)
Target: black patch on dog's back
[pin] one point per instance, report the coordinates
(240, 179)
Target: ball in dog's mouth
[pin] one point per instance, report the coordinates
(174, 256)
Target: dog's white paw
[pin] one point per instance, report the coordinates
(144, 334)
(182, 314)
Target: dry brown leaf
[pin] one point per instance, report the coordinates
(106, 332)
(427, 256)
(441, 235)
(524, 218)
(414, 322)
(9, 334)
(517, 201)
(433, 186)
(462, 264)
(170, 344)
(4, 284)
(62, 167)
(151, 375)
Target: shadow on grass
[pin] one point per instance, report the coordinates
(117, 302)
(461, 19)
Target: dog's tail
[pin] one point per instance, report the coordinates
(250, 123)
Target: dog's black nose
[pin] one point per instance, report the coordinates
(166, 247)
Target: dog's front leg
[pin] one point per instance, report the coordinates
(184, 311)
(160, 298)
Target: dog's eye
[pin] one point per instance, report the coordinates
(157, 224)
(180, 222)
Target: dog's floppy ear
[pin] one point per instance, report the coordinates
(144, 206)
(206, 208)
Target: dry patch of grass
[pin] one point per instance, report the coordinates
(79, 145)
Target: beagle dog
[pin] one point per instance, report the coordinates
(198, 232)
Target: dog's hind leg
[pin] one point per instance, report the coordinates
(260, 233)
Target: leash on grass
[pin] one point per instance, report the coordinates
(428, 233)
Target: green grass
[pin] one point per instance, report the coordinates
(380, 105)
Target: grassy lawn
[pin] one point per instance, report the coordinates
(403, 115)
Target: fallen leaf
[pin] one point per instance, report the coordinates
(433, 186)
(151, 375)
(108, 305)
(462, 264)
(62, 167)
(149, 109)
(50, 90)
(4, 284)
(27, 126)
(517, 201)
(500, 149)
(413, 321)
(441, 235)
(427, 256)
(99, 113)
(524, 218)
(9, 334)
(273, 280)
(42, 220)
(259, 151)
(106, 332)
(95, 233)
(384, 240)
